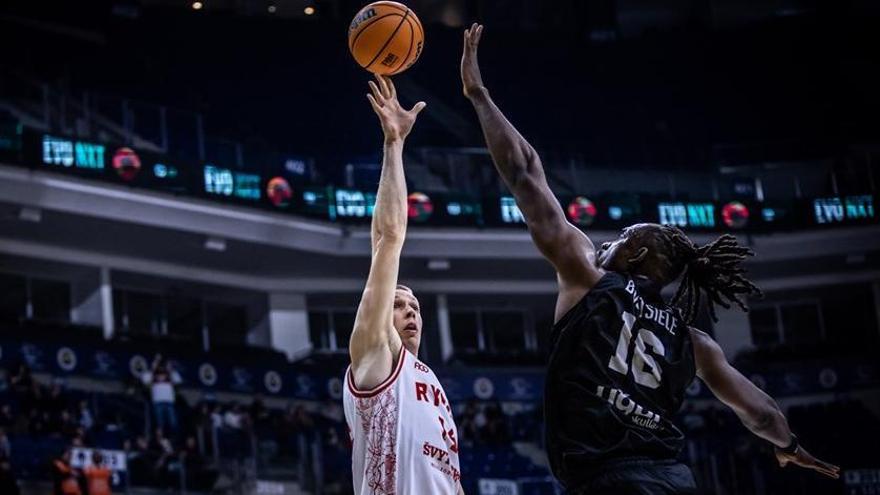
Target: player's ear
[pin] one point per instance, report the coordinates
(639, 256)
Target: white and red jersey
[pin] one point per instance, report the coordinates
(403, 435)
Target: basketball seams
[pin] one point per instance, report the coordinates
(393, 5)
(412, 39)
(388, 41)
(387, 52)
(364, 27)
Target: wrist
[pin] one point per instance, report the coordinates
(792, 447)
(394, 141)
(478, 93)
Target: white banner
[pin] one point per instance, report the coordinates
(82, 458)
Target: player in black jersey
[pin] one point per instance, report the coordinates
(622, 357)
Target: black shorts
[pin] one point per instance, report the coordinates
(640, 477)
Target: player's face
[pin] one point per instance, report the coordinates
(615, 255)
(408, 318)
(608, 256)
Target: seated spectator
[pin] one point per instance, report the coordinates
(161, 443)
(37, 422)
(98, 476)
(65, 478)
(56, 401)
(8, 483)
(4, 381)
(7, 419)
(198, 476)
(78, 438)
(140, 461)
(233, 418)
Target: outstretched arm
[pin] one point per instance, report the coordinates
(757, 410)
(564, 245)
(374, 343)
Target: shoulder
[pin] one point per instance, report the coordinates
(610, 280)
(703, 340)
(707, 353)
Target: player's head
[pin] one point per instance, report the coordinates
(662, 253)
(408, 318)
(97, 458)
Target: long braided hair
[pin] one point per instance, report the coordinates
(713, 268)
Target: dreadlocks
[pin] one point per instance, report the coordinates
(713, 269)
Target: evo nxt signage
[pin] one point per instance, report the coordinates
(845, 210)
(69, 153)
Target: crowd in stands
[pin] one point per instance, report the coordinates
(168, 445)
(173, 443)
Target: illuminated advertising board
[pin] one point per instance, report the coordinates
(510, 212)
(684, 215)
(225, 182)
(351, 203)
(849, 209)
(283, 186)
(419, 207)
(70, 153)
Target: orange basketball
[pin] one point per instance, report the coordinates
(386, 38)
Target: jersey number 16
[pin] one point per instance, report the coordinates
(644, 367)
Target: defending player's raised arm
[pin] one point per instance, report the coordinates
(563, 244)
(374, 342)
(757, 410)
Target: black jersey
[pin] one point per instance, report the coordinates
(620, 362)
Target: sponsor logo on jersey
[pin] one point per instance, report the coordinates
(427, 392)
(622, 402)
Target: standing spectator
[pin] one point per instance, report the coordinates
(5, 446)
(216, 417)
(260, 416)
(84, 416)
(98, 476)
(161, 379)
(26, 389)
(65, 478)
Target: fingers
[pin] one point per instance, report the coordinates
(418, 107)
(473, 34)
(378, 98)
(392, 90)
(827, 469)
(373, 103)
(383, 84)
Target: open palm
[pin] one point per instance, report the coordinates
(396, 121)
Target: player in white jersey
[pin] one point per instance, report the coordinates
(404, 437)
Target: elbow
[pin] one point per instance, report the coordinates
(390, 235)
(527, 168)
(767, 418)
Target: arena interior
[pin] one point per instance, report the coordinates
(192, 182)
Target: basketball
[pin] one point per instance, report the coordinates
(386, 38)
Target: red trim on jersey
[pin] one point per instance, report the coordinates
(361, 394)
